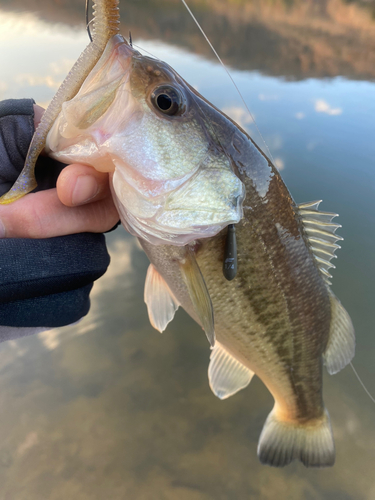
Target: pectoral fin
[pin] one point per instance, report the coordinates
(225, 374)
(161, 304)
(198, 294)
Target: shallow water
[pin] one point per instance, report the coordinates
(109, 408)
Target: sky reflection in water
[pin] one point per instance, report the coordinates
(109, 408)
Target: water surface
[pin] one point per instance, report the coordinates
(109, 408)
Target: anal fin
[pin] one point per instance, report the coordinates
(341, 343)
(226, 375)
(161, 304)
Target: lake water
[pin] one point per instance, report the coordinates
(111, 409)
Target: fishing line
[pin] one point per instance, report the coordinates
(144, 50)
(230, 76)
(362, 384)
(87, 20)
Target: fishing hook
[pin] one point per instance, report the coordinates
(87, 20)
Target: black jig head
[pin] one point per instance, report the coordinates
(230, 254)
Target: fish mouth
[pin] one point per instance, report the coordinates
(135, 117)
(86, 124)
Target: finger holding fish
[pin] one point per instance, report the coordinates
(45, 214)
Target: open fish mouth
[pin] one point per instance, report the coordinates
(134, 116)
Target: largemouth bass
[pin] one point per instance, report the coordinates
(181, 172)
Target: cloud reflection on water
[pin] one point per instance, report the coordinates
(321, 106)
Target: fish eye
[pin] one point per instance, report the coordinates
(168, 100)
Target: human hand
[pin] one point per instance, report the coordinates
(81, 202)
(53, 249)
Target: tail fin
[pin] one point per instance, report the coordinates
(281, 442)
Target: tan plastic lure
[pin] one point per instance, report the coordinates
(106, 23)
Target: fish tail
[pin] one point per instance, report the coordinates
(283, 441)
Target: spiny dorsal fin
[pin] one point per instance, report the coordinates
(321, 232)
(161, 304)
(226, 375)
(198, 293)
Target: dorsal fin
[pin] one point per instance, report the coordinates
(161, 304)
(341, 343)
(321, 232)
(226, 375)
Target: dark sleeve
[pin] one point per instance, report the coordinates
(43, 282)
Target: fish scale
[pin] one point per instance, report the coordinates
(258, 302)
